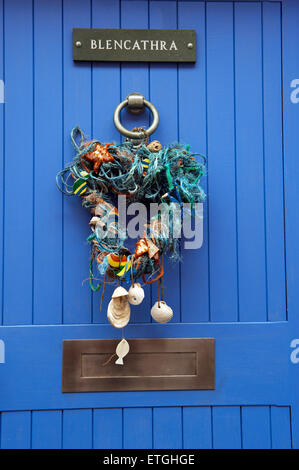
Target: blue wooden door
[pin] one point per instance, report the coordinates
(237, 105)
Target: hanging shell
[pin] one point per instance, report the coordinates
(122, 350)
(152, 248)
(154, 146)
(119, 310)
(119, 292)
(162, 314)
(136, 294)
(96, 222)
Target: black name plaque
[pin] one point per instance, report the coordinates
(134, 45)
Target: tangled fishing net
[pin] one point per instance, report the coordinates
(148, 173)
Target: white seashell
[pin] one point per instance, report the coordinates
(152, 248)
(122, 350)
(119, 292)
(136, 294)
(96, 222)
(161, 314)
(118, 312)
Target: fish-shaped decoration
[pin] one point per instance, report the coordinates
(145, 164)
(80, 185)
(122, 350)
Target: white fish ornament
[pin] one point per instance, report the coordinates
(122, 350)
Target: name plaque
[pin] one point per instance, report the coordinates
(134, 45)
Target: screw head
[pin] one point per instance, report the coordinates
(190, 45)
(78, 44)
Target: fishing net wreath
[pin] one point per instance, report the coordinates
(147, 173)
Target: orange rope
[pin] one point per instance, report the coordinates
(158, 277)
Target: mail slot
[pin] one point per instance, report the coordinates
(153, 364)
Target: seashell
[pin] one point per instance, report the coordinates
(119, 292)
(96, 222)
(152, 248)
(161, 314)
(118, 312)
(154, 146)
(136, 294)
(122, 350)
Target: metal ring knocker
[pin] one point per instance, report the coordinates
(136, 104)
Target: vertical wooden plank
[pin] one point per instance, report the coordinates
(290, 38)
(192, 130)
(18, 212)
(197, 427)
(164, 95)
(256, 430)
(167, 428)
(77, 429)
(46, 429)
(274, 204)
(295, 420)
(249, 162)
(47, 161)
(15, 430)
(76, 111)
(105, 97)
(2, 169)
(226, 427)
(107, 429)
(138, 428)
(135, 77)
(281, 427)
(290, 16)
(221, 151)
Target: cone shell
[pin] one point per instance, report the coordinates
(136, 294)
(162, 314)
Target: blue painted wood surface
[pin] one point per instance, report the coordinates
(223, 249)
(256, 428)
(197, 427)
(167, 428)
(105, 14)
(240, 288)
(227, 427)
(77, 429)
(290, 15)
(138, 428)
(46, 429)
(201, 427)
(107, 431)
(192, 102)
